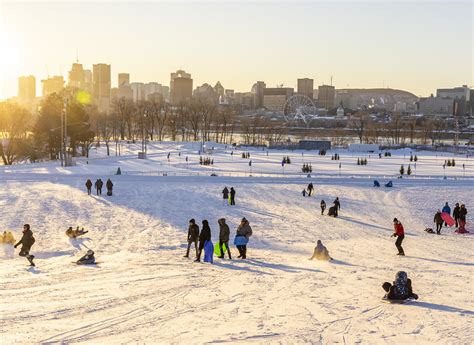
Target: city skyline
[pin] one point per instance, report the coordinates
(279, 44)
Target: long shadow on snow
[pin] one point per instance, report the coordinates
(280, 267)
(444, 262)
(239, 268)
(441, 307)
(364, 224)
(48, 255)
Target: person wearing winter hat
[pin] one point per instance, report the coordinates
(193, 236)
(399, 232)
(243, 230)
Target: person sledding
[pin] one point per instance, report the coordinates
(333, 211)
(224, 235)
(7, 238)
(87, 259)
(321, 252)
(399, 233)
(70, 232)
(26, 241)
(244, 231)
(400, 290)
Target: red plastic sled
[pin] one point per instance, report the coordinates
(448, 219)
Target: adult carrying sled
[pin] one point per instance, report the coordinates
(208, 252)
(217, 249)
(448, 219)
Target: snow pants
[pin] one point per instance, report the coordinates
(226, 243)
(242, 251)
(438, 228)
(398, 244)
(189, 247)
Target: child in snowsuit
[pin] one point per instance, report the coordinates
(439, 222)
(401, 289)
(323, 206)
(26, 241)
(321, 252)
(399, 232)
(193, 236)
(87, 259)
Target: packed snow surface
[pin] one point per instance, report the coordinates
(144, 291)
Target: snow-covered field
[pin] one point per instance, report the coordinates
(144, 291)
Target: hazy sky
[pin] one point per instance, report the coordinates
(413, 45)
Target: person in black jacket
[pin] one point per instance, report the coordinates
(310, 189)
(193, 236)
(462, 216)
(26, 241)
(100, 184)
(232, 196)
(89, 186)
(225, 195)
(109, 186)
(337, 204)
(323, 206)
(224, 235)
(204, 236)
(456, 214)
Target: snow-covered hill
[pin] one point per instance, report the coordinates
(144, 291)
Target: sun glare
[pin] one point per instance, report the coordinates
(8, 59)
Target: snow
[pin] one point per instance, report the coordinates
(144, 291)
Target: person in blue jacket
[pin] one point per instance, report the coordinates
(446, 209)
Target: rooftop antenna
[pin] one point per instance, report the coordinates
(77, 55)
(331, 80)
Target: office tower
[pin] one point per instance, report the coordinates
(123, 79)
(138, 91)
(181, 87)
(52, 85)
(305, 87)
(101, 85)
(257, 90)
(326, 96)
(274, 98)
(76, 77)
(27, 89)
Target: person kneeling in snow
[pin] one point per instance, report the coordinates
(401, 288)
(321, 252)
(87, 259)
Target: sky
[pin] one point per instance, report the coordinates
(416, 46)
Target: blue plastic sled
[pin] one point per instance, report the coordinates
(389, 184)
(241, 240)
(208, 252)
(376, 183)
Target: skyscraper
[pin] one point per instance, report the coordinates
(101, 86)
(257, 90)
(305, 87)
(181, 86)
(124, 89)
(52, 85)
(27, 89)
(326, 96)
(123, 79)
(76, 76)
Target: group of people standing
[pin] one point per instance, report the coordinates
(201, 237)
(333, 210)
(228, 196)
(98, 186)
(459, 215)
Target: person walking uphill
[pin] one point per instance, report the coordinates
(232, 196)
(193, 236)
(439, 222)
(109, 186)
(337, 204)
(456, 214)
(26, 241)
(310, 189)
(89, 186)
(225, 195)
(244, 231)
(446, 209)
(323, 206)
(224, 234)
(400, 234)
(204, 236)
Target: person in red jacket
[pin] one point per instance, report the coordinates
(399, 234)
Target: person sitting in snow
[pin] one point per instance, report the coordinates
(321, 252)
(75, 233)
(332, 211)
(401, 289)
(87, 259)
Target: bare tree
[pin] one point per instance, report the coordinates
(123, 109)
(359, 124)
(15, 122)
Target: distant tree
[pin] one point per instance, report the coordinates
(453, 163)
(416, 158)
(15, 122)
(402, 170)
(409, 170)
